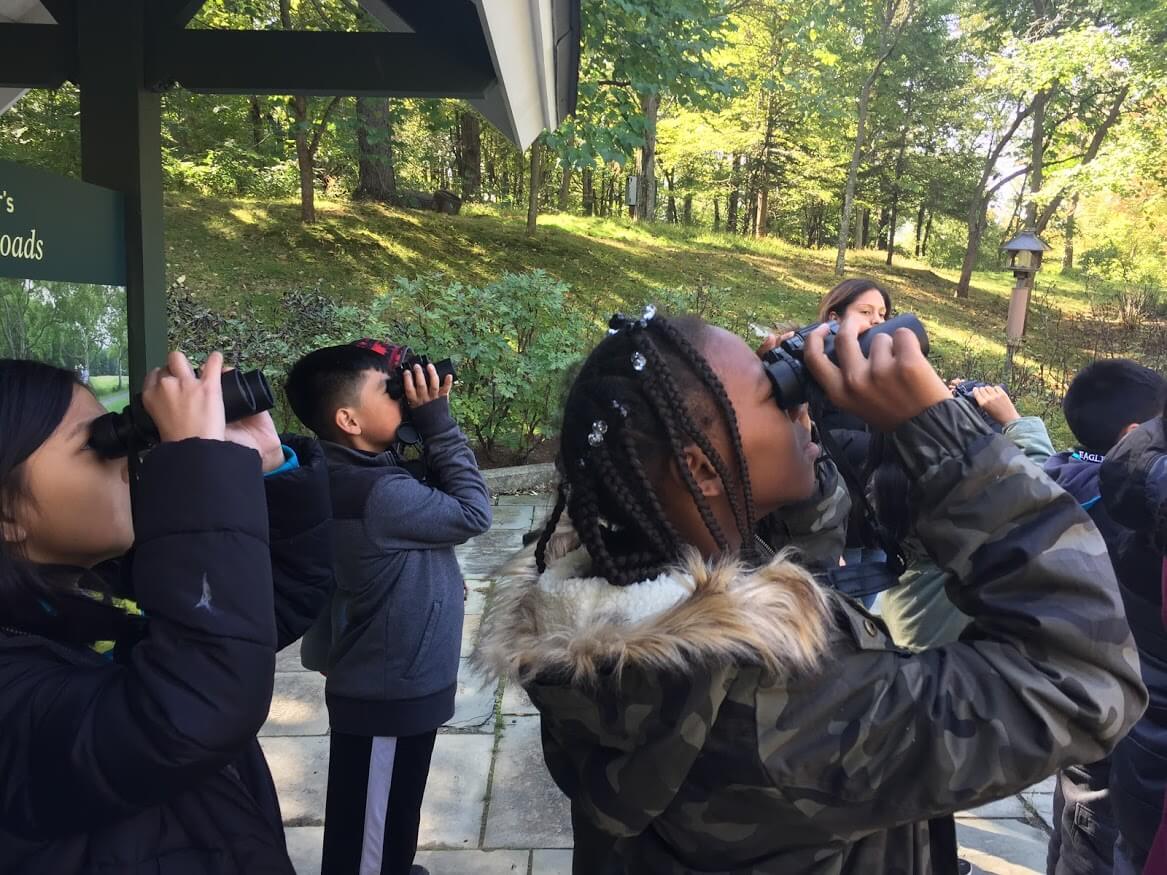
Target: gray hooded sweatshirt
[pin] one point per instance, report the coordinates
(396, 618)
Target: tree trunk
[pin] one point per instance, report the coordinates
(1036, 157)
(520, 175)
(304, 159)
(687, 210)
(1071, 228)
(376, 177)
(853, 173)
(1091, 153)
(671, 213)
(927, 235)
(881, 231)
(470, 143)
(762, 212)
(895, 193)
(589, 192)
(919, 227)
(734, 195)
(763, 172)
(865, 228)
(716, 213)
(646, 196)
(536, 171)
(976, 227)
(256, 114)
(564, 188)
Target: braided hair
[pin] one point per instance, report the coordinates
(643, 395)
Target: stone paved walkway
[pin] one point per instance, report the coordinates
(490, 806)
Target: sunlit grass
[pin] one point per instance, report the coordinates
(245, 253)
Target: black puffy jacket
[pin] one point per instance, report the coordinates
(149, 763)
(1133, 484)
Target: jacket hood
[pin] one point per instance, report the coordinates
(1076, 475)
(567, 627)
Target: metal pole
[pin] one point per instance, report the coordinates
(121, 148)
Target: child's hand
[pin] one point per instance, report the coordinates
(185, 406)
(996, 403)
(422, 387)
(887, 389)
(259, 433)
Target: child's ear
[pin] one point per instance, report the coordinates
(1127, 430)
(704, 474)
(346, 421)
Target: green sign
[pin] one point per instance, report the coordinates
(56, 228)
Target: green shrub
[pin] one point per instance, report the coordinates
(513, 341)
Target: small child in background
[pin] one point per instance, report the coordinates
(1106, 813)
(394, 633)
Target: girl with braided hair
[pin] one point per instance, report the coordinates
(708, 707)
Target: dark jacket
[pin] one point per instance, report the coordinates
(149, 764)
(851, 438)
(1083, 800)
(1134, 494)
(396, 621)
(721, 718)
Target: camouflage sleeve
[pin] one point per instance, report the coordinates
(1046, 675)
(623, 764)
(816, 527)
(1031, 437)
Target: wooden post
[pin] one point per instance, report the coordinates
(121, 148)
(1015, 323)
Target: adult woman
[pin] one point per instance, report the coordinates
(868, 304)
(127, 731)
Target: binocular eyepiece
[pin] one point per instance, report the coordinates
(786, 368)
(121, 434)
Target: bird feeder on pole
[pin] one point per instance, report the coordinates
(1025, 252)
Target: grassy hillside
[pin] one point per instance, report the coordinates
(247, 252)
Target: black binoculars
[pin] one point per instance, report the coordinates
(395, 385)
(131, 431)
(788, 372)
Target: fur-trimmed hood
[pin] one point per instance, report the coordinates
(565, 626)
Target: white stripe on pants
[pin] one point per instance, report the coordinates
(377, 803)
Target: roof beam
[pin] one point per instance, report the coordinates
(63, 11)
(36, 55)
(321, 63)
(180, 12)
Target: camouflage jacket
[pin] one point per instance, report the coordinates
(735, 720)
(815, 529)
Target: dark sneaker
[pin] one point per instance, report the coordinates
(419, 870)
(964, 867)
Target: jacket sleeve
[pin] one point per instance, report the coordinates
(1133, 481)
(85, 745)
(405, 514)
(1046, 675)
(300, 515)
(1031, 437)
(817, 527)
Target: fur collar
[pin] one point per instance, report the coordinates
(570, 626)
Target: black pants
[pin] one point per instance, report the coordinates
(1084, 831)
(375, 789)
